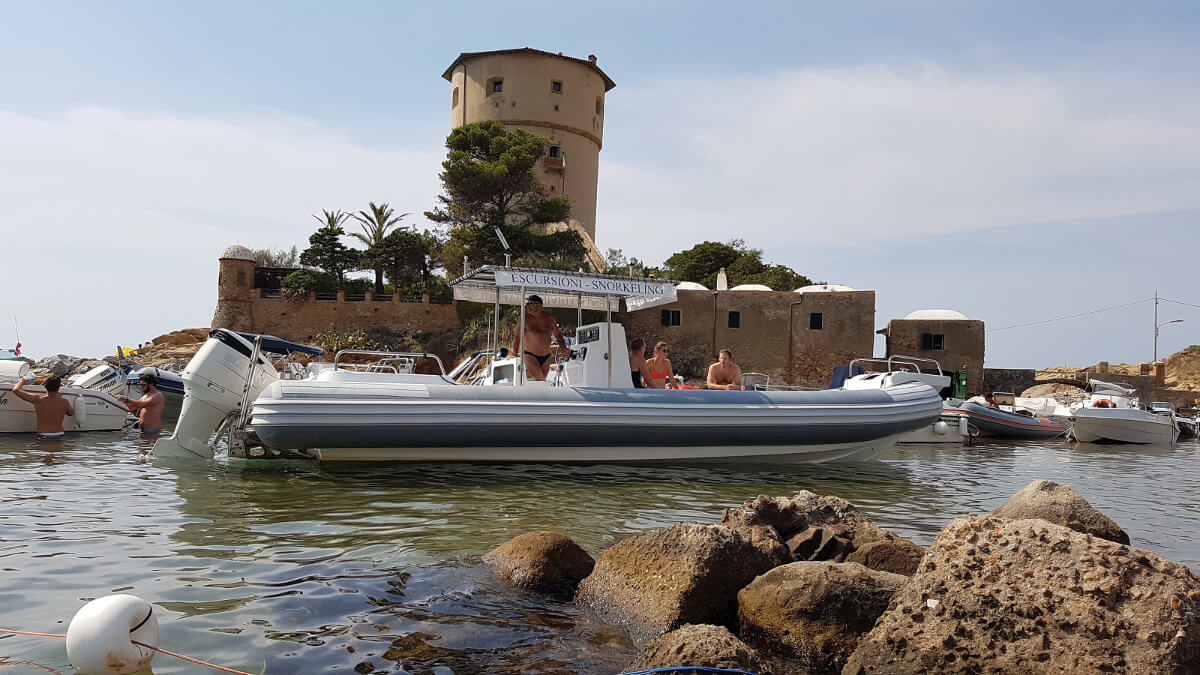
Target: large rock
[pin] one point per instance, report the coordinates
(888, 553)
(662, 579)
(813, 527)
(997, 595)
(546, 562)
(1061, 505)
(814, 612)
(703, 646)
(59, 365)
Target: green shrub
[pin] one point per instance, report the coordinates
(305, 281)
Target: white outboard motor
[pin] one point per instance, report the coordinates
(102, 378)
(213, 384)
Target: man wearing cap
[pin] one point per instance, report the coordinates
(150, 405)
(539, 327)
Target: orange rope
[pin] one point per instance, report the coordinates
(188, 658)
(140, 644)
(25, 632)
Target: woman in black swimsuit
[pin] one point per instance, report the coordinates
(637, 361)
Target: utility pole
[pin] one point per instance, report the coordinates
(1158, 325)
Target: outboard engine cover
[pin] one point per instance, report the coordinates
(213, 382)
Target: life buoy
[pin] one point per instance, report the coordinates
(100, 635)
(1102, 403)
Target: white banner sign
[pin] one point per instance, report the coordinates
(571, 283)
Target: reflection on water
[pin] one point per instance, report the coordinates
(298, 567)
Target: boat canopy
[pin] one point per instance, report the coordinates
(274, 345)
(1099, 387)
(585, 290)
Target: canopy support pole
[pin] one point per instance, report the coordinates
(608, 335)
(521, 356)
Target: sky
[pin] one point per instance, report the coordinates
(1018, 162)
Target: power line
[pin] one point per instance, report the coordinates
(1072, 316)
(1179, 302)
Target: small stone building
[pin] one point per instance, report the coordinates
(795, 337)
(946, 336)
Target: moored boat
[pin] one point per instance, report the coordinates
(1006, 421)
(1112, 413)
(588, 411)
(94, 410)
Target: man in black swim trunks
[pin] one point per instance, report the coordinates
(539, 327)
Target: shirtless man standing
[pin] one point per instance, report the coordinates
(151, 404)
(725, 374)
(51, 408)
(539, 326)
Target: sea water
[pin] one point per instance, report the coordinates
(297, 567)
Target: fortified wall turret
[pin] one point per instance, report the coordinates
(234, 289)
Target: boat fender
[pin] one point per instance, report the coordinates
(100, 635)
(963, 428)
(941, 428)
(80, 410)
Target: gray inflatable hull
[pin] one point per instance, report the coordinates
(419, 422)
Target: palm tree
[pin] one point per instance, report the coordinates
(375, 226)
(331, 218)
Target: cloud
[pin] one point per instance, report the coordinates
(114, 220)
(872, 154)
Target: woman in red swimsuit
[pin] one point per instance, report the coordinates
(658, 369)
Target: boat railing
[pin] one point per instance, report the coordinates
(897, 362)
(387, 359)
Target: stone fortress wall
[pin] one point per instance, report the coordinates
(242, 307)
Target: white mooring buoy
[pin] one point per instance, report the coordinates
(100, 635)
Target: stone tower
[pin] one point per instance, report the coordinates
(556, 96)
(234, 289)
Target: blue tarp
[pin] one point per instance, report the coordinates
(841, 374)
(274, 345)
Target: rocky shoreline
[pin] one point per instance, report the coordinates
(807, 584)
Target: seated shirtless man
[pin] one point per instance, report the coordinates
(725, 374)
(149, 406)
(51, 408)
(539, 326)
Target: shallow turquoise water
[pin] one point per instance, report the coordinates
(290, 567)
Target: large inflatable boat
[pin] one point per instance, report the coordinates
(340, 414)
(488, 411)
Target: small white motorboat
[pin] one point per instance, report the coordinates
(894, 370)
(487, 411)
(1112, 413)
(94, 410)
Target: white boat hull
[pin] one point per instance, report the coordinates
(856, 451)
(100, 411)
(1122, 425)
(364, 421)
(947, 429)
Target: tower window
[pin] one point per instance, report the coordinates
(735, 319)
(933, 342)
(556, 86)
(816, 321)
(671, 317)
(496, 85)
(554, 149)
(599, 106)
(454, 100)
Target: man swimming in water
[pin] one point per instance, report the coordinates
(539, 327)
(51, 408)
